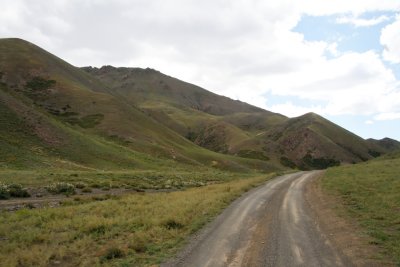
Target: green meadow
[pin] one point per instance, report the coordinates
(370, 194)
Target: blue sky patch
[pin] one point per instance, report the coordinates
(348, 36)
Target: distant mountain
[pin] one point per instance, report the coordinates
(386, 143)
(311, 141)
(55, 114)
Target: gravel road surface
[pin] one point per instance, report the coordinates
(271, 225)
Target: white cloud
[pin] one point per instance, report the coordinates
(390, 39)
(242, 49)
(387, 116)
(360, 22)
(356, 7)
(369, 122)
(332, 48)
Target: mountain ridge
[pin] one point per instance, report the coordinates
(160, 117)
(245, 133)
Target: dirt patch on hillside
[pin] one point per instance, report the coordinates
(343, 233)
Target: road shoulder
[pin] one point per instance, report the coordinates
(342, 232)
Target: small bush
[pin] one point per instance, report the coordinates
(97, 230)
(12, 190)
(30, 206)
(172, 224)
(96, 185)
(4, 194)
(251, 154)
(287, 162)
(113, 253)
(87, 190)
(308, 162)
(16, 190)
(80, 185)
(101, 198)
(39, 84)
(61, 188)
(90, 121)
(139, 246)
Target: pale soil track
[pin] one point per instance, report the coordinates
(272, 225)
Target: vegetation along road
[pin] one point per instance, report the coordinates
(272, 225)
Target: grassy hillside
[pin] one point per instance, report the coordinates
(232, 127)
(386, 143)
(148, 85)
(31, 139)
(369, 193)
(83, 122)
(127, 117)
(188, 109)
(310, 141)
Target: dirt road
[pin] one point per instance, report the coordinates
(271, 225)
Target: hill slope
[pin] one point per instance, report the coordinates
(189, 110)
(85, 116)
(367, 195)
(81, 114)
(224, 125)
(310, 141)
(386, 143)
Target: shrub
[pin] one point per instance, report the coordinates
(39, 84)
(113, 253)
(87, 190)
(80, 185)
(12, 190)
(90, 121)
(251, 154)
(308, 162)
(61, 188)
(4, 194)
(16, 190)
(287, 162)
(172, 224)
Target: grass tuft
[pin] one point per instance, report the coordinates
(172, 224)
(113, 253)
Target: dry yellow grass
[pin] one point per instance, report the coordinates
(139, 230)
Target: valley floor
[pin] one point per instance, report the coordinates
(127, 230)
(347, 215)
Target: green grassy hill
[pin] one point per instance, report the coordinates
(70, 116)
(386, 143)
(232, 127)
(135, 118)
(310, 141)
(189, 110)
(369, 194)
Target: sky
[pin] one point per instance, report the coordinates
(340, 59)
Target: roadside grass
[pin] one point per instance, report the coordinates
(134, 179)
(135, 230)
(370, 194)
